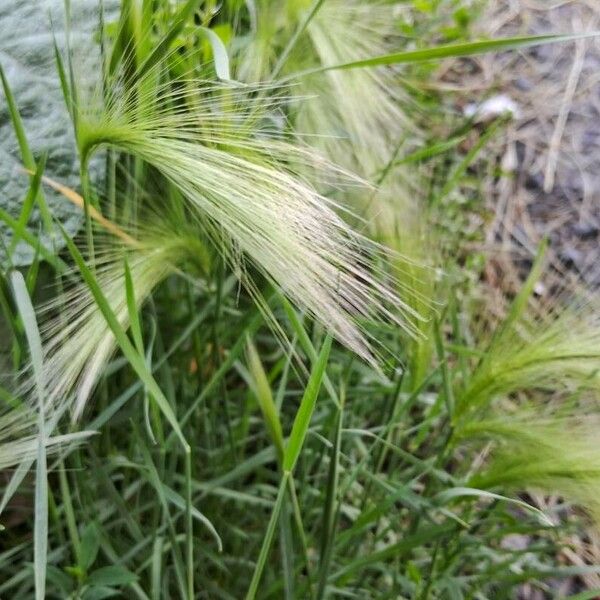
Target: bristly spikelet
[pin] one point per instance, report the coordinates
(78, 341)
(555, 454)
(538, 444)
(559, 352)
(239, 180)
(356, 115)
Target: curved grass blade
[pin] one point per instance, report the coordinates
(463, 492)
(40, 533)
(220, 57)
(450, 51)
(266, 545)
(264, 396)
(32, 194)
(26, 153)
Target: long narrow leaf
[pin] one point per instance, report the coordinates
(266, 545)
(40, 533)
(307, 406)
(462, 49)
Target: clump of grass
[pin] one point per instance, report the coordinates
(294, 466)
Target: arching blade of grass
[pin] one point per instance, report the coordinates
(135, 327)
(220, 57)
(463, 492)
(173, 497)
(138, 364)
(291, 454)
(40, 532)
(458, 50)
(32, 194)
(26, 153)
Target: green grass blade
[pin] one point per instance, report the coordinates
(26, 154)
(173, 497)
(64, 83)
(40, 532)
(17, 123)
(162, 48)
(519, 304)
(461, 49)
(307, 406)
(428, 152)
(307, 345)
(32, 193)
(220, 57)
(463, 492)
(156, 578)
(264, 396)
(587, 595)
(134, 317)
(286, 544)
(268, 539)
(443, 359)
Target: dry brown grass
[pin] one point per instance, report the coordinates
(552, 150)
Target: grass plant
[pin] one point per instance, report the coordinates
(267, 323)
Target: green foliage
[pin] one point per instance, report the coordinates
(270, 265)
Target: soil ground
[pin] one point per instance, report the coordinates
(552, 148)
